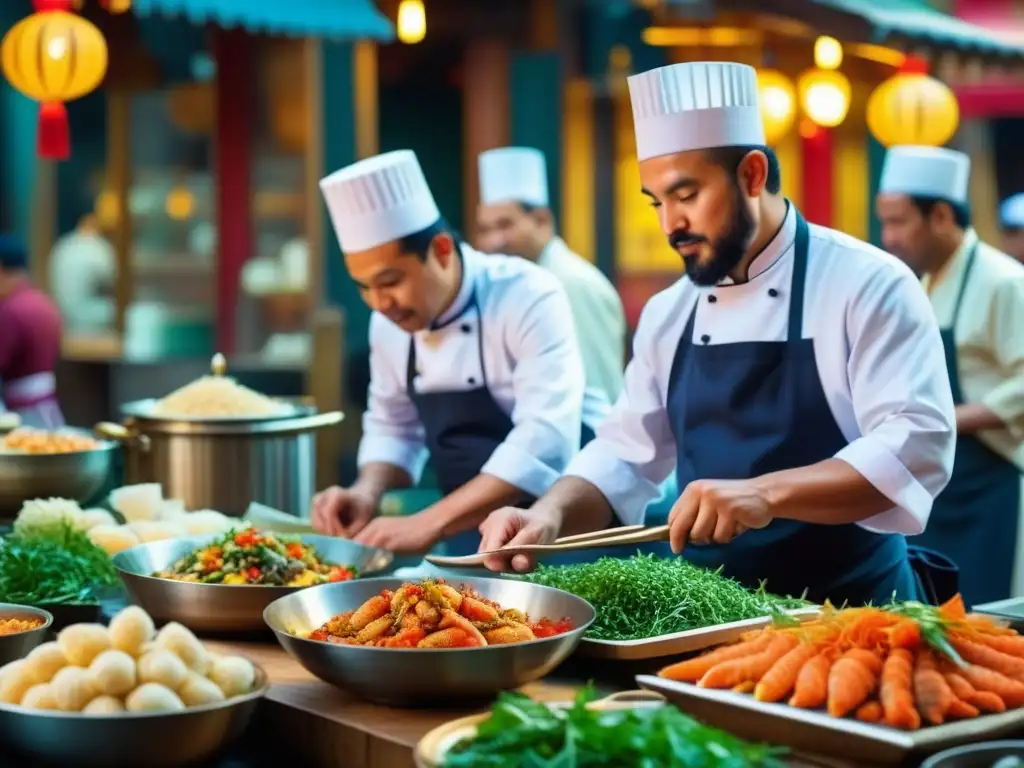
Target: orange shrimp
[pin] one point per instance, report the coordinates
(850, 682)
(870, 712)
(985, 701)
(1006, 688)
(450, 618)
(375, 630)
(811, 688)
(692, 670)
(986, 656)
(407, 638)
(453, 637)
(896, 693)
(514, 633)
(374, 608)
(780, 679)
(933, 694)
(732, 673)
(477, 610)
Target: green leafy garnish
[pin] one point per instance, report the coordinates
(523, 733)
(53, 565)
(932, 625)
(646, 596)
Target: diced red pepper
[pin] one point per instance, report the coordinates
(294, 551)
(340, 573)
(254, 574)
(246, 538)
(548, 628)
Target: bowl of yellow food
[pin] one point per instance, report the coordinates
(22, 628)
(223, 582)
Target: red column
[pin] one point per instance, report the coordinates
(816, 148)
(233, 163)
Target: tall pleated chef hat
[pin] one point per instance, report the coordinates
(926, 172)
(695, 105)
(1011, 212)
(513, 175)
(378, 200)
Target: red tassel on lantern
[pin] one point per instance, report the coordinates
(54, 135)
(914, 65)
(42, 6)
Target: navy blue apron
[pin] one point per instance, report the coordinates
(463, 428)
(974, 519)
(745, 409)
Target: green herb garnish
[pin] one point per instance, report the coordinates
(523, 733)
(55, 565)
(646, 596)
(932, 625)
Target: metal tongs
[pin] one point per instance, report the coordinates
(612, 537)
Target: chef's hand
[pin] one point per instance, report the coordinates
(342, 511)
(510, 526)
(717, 511)
(403, 535)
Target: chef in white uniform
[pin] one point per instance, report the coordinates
(473, 362)
(1011, 221)
(794, 379)
(977, 294)
(514, 217)
(83, 268)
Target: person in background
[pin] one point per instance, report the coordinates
(1011, 221)
(30, 339)
(793, 379)
(473, 360)
(977, 294)
(83, 268)
(514, 218)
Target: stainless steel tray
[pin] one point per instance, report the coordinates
(815, 732)
(679, 642)
(1011, 610)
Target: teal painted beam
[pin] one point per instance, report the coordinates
(876, 157)
(17, 139)
(535, 95)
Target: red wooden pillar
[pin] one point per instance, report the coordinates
(233, 51)
(816, 148)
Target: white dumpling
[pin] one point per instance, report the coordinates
(172, 511)
(180, 641)
(131, 629)
(44, 660)
(73, 688)
(138, 502)
(81, 643)
(163, 667)
(113, 673)
(91, 518)
(113, 538)
(15, 680)
(234, 675)
(153, 697)
(103, 705)
(40, 696)
(156, 530)
(199, 690)
(205, 521)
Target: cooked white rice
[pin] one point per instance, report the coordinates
(213, 397)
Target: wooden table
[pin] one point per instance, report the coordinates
(323, 726)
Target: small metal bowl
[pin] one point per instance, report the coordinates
(427, 677)
(221, 607)
(984, 755)
(78, 476)
(129, 739)
(17, 646)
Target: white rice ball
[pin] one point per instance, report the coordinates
(180, 641)
(103, 705)
(81, 643)
(112, 538)
(199, 690)
(91, 518)
(43, 661)
(234, 675)
(156, 530)
(163, 667)
(153, 697)
(73, 688)
(40, 696)
(131, 629)
(113, 673)
(138, 502)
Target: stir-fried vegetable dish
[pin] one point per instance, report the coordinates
(905, 666)
(523, 733)
(434, 614)
(251, 557)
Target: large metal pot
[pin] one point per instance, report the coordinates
(223, 464)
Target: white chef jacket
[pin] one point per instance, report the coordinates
(879, 356)
(82, 265)
(533, 371)
(598, 313)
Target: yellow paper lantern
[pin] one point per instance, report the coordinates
(53, 57)
(412, 21)
(777, 97)
(913, 108)
(824, 96)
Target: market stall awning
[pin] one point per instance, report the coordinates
(348, 19)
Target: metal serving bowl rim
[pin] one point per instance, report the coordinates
(102, 446)
(256, 693)
(577, 630)
(8, 611)
(204, 537)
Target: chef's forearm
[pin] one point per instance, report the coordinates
(577, 505)
(378, 477)
(974, 417)
(468, 506)
(830, 492)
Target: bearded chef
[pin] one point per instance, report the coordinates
(1011, 222)
(977, 294)
(30, 337)
(794, 379)
(514, 218)
(473, 360)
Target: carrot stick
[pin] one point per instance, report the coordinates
(692, 670)
(745, 687)
(895, 691)
(867, 658)
(780, 679)
(850, 683)
(933, 694)
(953, 608)
(731, 673)
(1011, 645)
(985, 701)
(1006, 688)
(985, 656)
(811, 689)
(870, 712)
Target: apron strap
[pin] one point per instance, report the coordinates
(963, 284)
(796, 299)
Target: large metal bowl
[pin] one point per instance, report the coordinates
(424, 678)
(221, 607)
(984, 755)
(129, 739)
(17, 646)
(78, 476)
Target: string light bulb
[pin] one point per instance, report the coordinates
(412, 21)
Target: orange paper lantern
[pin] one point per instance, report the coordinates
(53, 57)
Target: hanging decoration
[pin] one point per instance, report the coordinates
(913, 108)
(778, 104)
(824, 96)
(116, 6)
(53, 56)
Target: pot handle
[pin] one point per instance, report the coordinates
(108, 430)
(306, 423)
